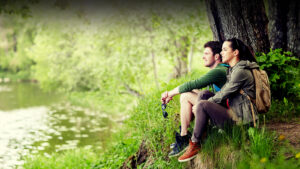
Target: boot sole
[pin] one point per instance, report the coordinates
(172, 145)
(175, 155)
(188, 159)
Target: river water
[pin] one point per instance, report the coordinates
(36, 122)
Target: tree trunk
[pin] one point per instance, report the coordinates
(242, 19)
(247, 21)
(293, 24)
(191, 54)
(154, 64)
(15, 42)
(277, 24)
(284, 26)
(181, 68)
(154, 69)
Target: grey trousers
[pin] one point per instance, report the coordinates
(206, 110)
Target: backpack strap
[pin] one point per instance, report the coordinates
(251, 105)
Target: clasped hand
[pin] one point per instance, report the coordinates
(165, 98)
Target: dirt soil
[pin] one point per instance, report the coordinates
(290, 131)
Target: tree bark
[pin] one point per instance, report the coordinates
(181, 68)
(154, 64)
(191, 54)
(284, 27)
(242, 19)
(293, 25)
(277, 24)
(15, 42)
(247, 21)
(154, 69)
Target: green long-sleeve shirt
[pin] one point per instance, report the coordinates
(215, 77)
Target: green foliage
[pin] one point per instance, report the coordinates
(284, 73)
(109, 58)
(20, 7)
(17, 37)
(283, 110)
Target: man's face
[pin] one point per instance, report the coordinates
(208, 57)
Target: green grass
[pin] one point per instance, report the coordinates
(234, 147)
(77, 158)
(243, 147)
(284, 110)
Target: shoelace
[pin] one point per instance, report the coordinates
(190, 148)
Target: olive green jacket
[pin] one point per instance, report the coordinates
(238, 77)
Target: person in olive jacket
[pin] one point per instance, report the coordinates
(228, 105)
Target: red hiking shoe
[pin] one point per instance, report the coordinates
(190, 153)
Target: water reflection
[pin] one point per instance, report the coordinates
(47, 129)
(15, 134)
(21, 95)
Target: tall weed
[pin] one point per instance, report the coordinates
(261, 142)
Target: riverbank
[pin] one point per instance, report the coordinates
(234, 148)
(21, 76)
(237, 148)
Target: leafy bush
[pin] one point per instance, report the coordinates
(283, 70)
(283, 110)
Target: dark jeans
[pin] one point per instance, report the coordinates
(205, 95)
(208, 110)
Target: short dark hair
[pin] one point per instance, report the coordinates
(244, 50)
(215, 46)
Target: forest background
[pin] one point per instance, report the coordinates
(110, 56)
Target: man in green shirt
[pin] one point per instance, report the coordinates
(189, 92)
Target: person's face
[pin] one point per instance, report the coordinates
(208, 57)
(227, 52)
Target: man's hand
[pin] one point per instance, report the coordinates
(165, 98)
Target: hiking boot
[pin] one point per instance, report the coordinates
(173, 144)
(190, 153)
(180, 145)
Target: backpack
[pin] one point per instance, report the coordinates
(262, 90)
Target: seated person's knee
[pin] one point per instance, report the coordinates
(185, 96)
